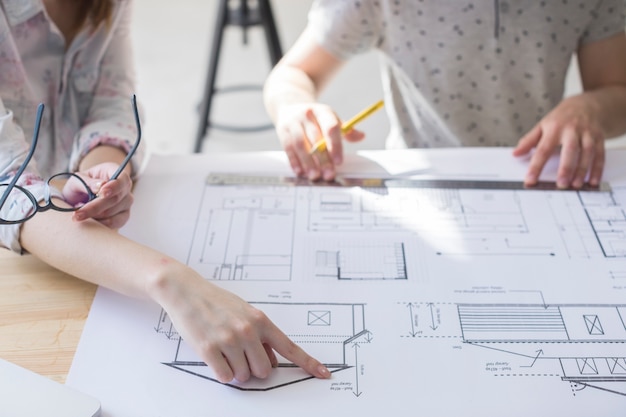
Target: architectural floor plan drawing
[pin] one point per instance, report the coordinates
(249, 232)
(608, 220)
(482, 300)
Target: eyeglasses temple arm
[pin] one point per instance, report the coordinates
(135, 146)
(31, 152)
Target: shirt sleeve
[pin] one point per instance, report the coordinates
(111, 120)
(345, 28)
(608, 19)
(13, 152)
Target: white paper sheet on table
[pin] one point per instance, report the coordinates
(437, 301)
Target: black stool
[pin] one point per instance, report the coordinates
(242, 13)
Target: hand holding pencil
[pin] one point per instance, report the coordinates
(316, 147)
(320, 146)
(312, 136)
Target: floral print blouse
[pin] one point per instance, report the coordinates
(86, 87)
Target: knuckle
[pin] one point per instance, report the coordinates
(298, 145)
(545, 147)
(571, 144)
(242, 375)
(224, 377)
(224, 374)
(308, 113)
(291, 141)
(331, 131)
(244, 330)
(258, 317)
(263, 372)
(229, 339)
(207, 350)
(588, 146)
(552, 125)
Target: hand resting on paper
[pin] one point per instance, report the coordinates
(572, 127)
(233, 338)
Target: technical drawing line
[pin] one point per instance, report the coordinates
(500, 350)
(413, 324)
(539, 353)
(611, 391)
(244, 388)
(356, 369)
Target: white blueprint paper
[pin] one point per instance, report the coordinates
(429, 301)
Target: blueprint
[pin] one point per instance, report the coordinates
(437, 300)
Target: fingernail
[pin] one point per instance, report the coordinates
(313, 174)
(561, 184)
(329, 174)
(323, 371)
(79, 216)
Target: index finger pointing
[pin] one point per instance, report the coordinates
(294, 353)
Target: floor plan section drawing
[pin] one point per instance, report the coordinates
(256, 232)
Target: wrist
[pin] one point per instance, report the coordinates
(285, 87)
(167, 282)
(101, 154)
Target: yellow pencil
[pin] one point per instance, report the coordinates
(347, 126)
(320, 145)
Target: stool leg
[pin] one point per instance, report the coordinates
(271, 34)
(209, 87)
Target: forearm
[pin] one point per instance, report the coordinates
(287, 85)
(95, 253)
(602, 67)
(612, 106)
(101, 154)
(609, 107)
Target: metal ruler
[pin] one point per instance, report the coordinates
(263, 180)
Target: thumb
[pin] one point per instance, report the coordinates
(354, 135)
(94, 184)
(74, 191)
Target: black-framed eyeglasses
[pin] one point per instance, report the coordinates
(76, 192)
